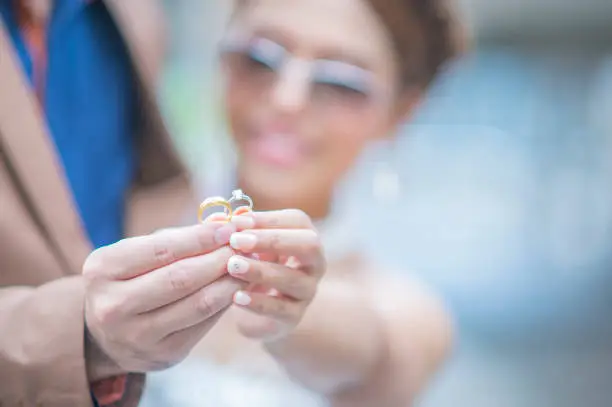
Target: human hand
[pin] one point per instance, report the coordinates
(282, 260)
(150, 299)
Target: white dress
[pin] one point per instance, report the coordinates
(197, 383)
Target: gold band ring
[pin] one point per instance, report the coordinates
(211, 203)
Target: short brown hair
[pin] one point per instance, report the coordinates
(427, 35)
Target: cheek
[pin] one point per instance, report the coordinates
(348, 136)
(239, 105)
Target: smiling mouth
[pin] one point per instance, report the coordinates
(277, 149)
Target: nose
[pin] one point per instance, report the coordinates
(292, 89)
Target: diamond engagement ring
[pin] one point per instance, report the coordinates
(238, 195)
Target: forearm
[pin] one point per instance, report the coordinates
(418, 335)
(363, 350)
(338, 344)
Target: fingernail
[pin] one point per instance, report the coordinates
(224, 233)
(243, 241)
(216, 217)
(243, 222)
(237, 265)
(242, 210)
(242, 298)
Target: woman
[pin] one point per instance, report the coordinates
(308, 85)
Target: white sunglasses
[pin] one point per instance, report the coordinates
(254, 57)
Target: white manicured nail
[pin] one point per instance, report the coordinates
(242, 298)
(237, 265)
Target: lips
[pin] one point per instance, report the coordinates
(283, 150)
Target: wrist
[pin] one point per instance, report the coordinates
(331, 352)
(98, 364)
(278, 346)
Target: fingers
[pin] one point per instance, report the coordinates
(132, 257)
(194, 309)
(301, 243)
(242, 210)
(173, 282)
(282, 219)
(288, 281)
(236, 217)
(187, 338)
(216, 217)
(279, 308)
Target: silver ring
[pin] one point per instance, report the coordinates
(238, 195)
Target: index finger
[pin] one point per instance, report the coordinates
(135, 256)
(303, 244)
(281, 219)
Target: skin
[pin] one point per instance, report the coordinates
(151, 299)
(384, 339)
(334, 137)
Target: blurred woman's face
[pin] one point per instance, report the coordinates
(308, 84)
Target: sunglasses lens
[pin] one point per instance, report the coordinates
(258, 62)
(255, 57)
(343, 82)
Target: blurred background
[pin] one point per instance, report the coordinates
(505, 198)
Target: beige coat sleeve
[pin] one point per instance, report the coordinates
(42, 347)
